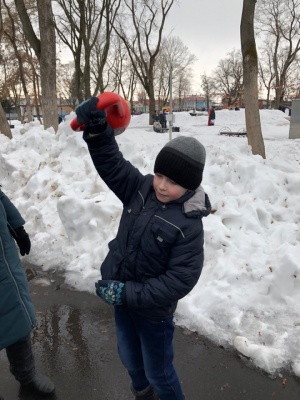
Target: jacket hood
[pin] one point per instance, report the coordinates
(198, 205)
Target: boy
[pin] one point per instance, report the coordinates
(157, 255)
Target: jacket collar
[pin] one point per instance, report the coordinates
(195, 202)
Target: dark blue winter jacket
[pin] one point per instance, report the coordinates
(158, 250)
(17, 316)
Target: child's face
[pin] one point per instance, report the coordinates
(167, 190)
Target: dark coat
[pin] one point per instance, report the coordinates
(158, 250)
(162, 119)
(212, 114)
(17, 316)
(155, 116)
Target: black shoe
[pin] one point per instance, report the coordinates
(146, 394)
(40, 384)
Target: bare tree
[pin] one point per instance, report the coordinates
(45, 50)
(121, 71)
(143, 45)
(280, 20)
(85, 28)
(183, 86)
(208, 87)
(65, 81)
(292, 86)
(228, 77)
(5, 129)
(161, 79)
(4, 125)
(106, 73)
(250, 74)
(265, 68)
(173, 55)
(17, 41)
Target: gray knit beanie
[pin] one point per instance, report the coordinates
(182, 160)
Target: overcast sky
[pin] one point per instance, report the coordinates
(210, 29)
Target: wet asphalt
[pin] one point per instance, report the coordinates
(75, 344)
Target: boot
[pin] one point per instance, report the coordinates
(22, 366)
(146, 394)
(40, 384)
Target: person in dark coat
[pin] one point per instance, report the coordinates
(157, 255)
(155, 116)
(165, 117)
(17, 315)
(211, 116)
(162, 119)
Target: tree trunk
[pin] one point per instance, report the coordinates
(28, 109)
(250, 74)
(45, 50)
(4, 125)
(48, 64)
(151, 101)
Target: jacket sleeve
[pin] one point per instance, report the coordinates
(119, 174)
(14, 218)
(181, 276)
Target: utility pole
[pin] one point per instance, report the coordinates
(295, 120)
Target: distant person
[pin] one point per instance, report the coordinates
(211, 116)
(157, 255)
(155, 116)
(17, 316)
(162, 119)
(165, 117)
(59, 119)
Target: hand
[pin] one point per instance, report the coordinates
(88, 113)
(110, 291)
(22, 240)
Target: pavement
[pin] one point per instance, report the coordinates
(75, 345)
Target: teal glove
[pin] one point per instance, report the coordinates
(110, 291)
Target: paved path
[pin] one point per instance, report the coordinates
(75, 344)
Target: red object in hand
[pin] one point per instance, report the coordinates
(117, 112)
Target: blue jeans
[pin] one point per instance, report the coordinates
(146, 350)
